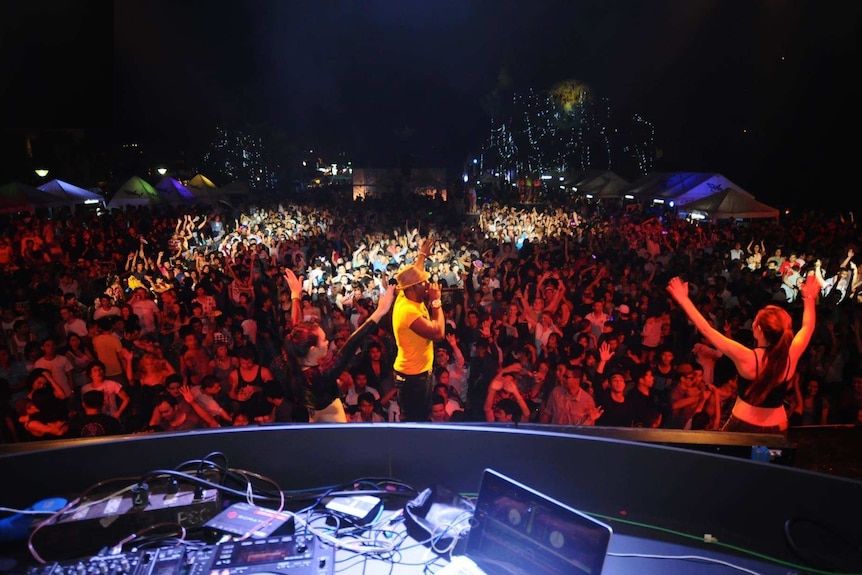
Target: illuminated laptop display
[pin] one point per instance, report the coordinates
(518, 531)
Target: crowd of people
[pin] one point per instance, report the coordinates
(178, 318)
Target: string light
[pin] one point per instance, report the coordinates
(241, 156)
(543, 134)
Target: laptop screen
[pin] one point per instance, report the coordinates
(518, 530)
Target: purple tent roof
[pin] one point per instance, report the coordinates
(174, 191)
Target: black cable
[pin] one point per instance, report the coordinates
(200, 463)
(206, 459)
(200, 481)
(384, 480)
(826, 560)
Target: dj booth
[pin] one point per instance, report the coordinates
(677, 503)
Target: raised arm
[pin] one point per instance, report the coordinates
(295, 285)
(456, 350)
(810, 290)
(205, 415)
(737, 352)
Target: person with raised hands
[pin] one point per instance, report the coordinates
(312, 379)
(765, 372)
(416, 328)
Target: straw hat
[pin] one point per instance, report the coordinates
(411, 276)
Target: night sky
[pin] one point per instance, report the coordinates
(760, 91)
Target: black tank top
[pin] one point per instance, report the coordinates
(775, 398)
(256, 382)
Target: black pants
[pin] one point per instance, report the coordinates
(414, 396)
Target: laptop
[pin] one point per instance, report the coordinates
(518, 531)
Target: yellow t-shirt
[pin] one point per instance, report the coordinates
(415, 353)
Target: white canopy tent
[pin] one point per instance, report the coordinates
(730, 203)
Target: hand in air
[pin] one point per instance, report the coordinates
(811, 287)
(677, 288)
(384, 302)
(605, 353)
(293, 282)
(427, 244)
(187, 393)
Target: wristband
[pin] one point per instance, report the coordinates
(436, 304)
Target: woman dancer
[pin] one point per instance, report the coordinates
(307, 345)
(765, 371)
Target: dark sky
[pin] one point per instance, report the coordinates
(761, 91)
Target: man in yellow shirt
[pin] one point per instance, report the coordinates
(416, 329)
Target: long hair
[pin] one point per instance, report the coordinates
(302, 337)
(297, 344)
(777, 328)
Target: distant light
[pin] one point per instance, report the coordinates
(92, 201)
(304, 163)
(575, 189)
(466, 178)
(475, 161)
(562, 187)
(562, 178)
(589, 196)
(546, 177)
(41, 172)
(162, 171)
(658, 201)
(629, 197)
(697, 216)
(671, 203)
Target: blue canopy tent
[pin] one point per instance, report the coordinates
(681, 188)
(66, 194)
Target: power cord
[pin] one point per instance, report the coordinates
(716, 542)
(687, 558)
